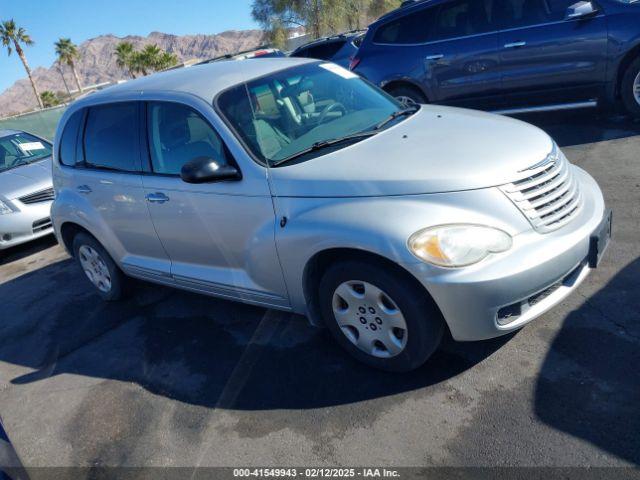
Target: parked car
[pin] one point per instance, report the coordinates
(26, 188)
(511, 56)
(260, 52)
(338, 49)
(294, 184)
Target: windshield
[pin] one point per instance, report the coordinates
(285, 113)
(21, 148)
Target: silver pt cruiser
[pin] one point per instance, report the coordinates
(296, 185)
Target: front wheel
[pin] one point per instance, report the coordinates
(380, 316)
(407, 95)
(630, 88)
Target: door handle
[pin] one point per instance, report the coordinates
(515, 45)
(157, 197)
(84, 189)
(435, 57)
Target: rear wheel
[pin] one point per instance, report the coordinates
(379, 316)
(630, 88)
(98, 267)
(408, 95)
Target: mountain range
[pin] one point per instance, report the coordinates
(97, 62)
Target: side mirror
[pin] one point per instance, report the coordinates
(583, 9)
(207, 169)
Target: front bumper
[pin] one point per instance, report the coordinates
(31, 222)
(503, 293)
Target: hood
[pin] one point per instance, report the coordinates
(438, 149)
(26, 179)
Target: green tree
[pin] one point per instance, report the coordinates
(319, 17)
(67, 52)
(124, 54)
(14, 37)
(49, 99)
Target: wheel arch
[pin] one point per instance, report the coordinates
(68, 231)
(389, 85)
(627, 60)
(320, 261)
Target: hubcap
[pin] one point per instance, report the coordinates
(95, 268)
(636, 88)
(370, 319)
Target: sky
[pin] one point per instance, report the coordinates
(48, 20)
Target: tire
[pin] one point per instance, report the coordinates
(404, 350)
(630, 88)
(407, 94)
(94, 260)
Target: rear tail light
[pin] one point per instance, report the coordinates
(355, 61)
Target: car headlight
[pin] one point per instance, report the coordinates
(458, 245)
(4, 208)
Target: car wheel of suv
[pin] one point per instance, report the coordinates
(98, 267)
(379, 316)
(630, 88)
(408, 95)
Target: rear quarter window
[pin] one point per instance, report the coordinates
(69, 139)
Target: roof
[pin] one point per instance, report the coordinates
(204, 81)
(333, 38)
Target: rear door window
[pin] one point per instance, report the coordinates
(464, 18)
(69, 140)
(413, 28)
(111, 138)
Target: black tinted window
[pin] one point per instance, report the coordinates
(463, 18)
(558, 8)
(111, 137)
(177, 135)
(324, 51)
(413, 28)
(69, 140)
(522, 13)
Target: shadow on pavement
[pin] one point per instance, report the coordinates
(579, 127)
(589, 385)
(19, 252)
(187, 347)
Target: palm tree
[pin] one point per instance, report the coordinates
(49, 99)
(166, 60)
(64, 80)
(67, 52)
(124, 56)
(13, 36)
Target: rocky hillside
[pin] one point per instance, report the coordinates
(98, 64)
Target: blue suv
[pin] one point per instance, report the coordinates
(511, 56)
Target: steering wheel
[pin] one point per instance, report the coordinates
(335, 106)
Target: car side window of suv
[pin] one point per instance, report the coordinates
(524, 13)
(177, 135)
(69, 140)
(463, 18)
(413, 28)
(111, 137)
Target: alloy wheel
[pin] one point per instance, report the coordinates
(95, 268)
(370, 319)
(406, 101)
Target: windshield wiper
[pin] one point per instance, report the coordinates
(325, 144)
(394, 115)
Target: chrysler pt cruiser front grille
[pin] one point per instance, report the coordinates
(547, 194)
